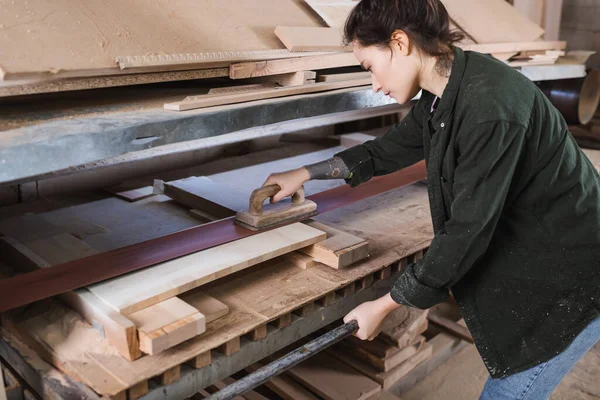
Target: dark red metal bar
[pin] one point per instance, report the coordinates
(47, 282)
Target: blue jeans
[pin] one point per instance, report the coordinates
(540, 381)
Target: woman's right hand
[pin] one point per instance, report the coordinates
(289, 182)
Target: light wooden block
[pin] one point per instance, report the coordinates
(339, 250)
(297, 38)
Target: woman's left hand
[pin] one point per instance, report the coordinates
(370, 316)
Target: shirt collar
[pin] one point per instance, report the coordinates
(446, 103)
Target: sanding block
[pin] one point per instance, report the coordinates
(260, 217)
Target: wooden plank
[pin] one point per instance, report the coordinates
(508, 24)
(401, 335)
(333, 12)
(332, 379)
(297, 38)
(285, 387)
(506, 47)
(152, 285)
(339, 250)
(386, 379)
(71, 84)
(203, 101)
(354, 139)
(165, 325)
(383, 395)
(342, 77)
(211, 308)
(275, 67)
(290, 79)
(242, 88)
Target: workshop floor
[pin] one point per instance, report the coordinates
(463, 376)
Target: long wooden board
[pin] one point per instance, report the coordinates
(275, 67)
(144, 288)
(209, 100)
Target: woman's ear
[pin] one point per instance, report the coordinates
(400, 40)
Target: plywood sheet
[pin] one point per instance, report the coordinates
(86, 37)
(333, 12)
(492, 21)
(149, 286)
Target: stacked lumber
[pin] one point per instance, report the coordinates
(396, 351)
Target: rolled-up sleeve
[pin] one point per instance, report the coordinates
(489, 156)
(399, 148)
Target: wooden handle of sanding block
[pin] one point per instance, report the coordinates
(258, 197)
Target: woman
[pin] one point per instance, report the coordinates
(515, 204)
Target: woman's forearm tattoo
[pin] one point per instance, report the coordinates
(334, 168)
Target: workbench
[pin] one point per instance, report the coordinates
(273, 303)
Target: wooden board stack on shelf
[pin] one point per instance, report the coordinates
(119, 46)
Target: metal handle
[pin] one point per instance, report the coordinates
(286, 362)
(258, 197)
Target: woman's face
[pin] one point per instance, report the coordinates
(394, 69)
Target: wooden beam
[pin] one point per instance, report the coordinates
(167, 324)
(203, 101)
(296, 38)
(275, 67)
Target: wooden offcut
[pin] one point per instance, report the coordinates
(152, 285)
(209, 100)
(167, 324)
(300, 38)
(402, 334)
(354, 139)
(274, 67)
(211, 308)
(389, 378)
(339, 250)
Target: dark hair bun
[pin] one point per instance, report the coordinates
(426, 22)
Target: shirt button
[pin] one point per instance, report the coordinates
(442, 125)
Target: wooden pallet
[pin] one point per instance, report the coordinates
(273, 295)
